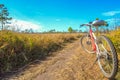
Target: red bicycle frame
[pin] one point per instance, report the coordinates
(92, 39)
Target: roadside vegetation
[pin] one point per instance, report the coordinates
(115, 37)
(19, 49)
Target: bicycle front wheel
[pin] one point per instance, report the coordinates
(86, 43)
(107, 59)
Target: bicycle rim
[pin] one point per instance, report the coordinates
(86, 44)
(107, 60)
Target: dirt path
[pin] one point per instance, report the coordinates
(71, 63)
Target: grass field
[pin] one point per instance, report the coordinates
(18, 49)
(115, 37)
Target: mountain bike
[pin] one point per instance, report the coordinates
(103, 47)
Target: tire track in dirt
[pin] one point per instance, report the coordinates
(72, 63)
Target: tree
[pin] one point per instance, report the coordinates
(70, 29)
(31, 30)
(80, 31)
(52, 30)
(3, 15)
(75, 30)
(97, 18)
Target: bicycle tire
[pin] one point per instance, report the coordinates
(90, 50)
(111, 75)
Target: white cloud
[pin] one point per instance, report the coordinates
(111, 13)
(113, 22)
(22, 25)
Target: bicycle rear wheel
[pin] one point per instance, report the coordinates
(86, 43)
(107, 60)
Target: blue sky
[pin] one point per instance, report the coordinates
(60, 14)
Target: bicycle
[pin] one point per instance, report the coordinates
(103, 47)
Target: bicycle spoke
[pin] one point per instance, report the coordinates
(87, 44)
(106, 65)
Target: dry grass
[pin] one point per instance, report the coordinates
(17, 49)
(115, 37)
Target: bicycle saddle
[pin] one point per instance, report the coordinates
(98, 23)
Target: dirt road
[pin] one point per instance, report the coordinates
(71, 63)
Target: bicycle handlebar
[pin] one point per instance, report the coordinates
(85, 25)
(96, 23)
(82, 25)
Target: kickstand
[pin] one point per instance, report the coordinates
(93, 63)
